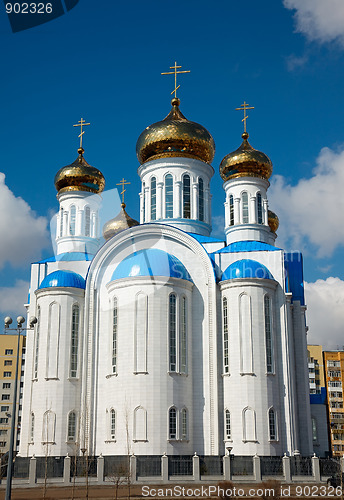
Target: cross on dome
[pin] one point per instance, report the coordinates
(244, 107)
(122, 183)
(175, 73)
(81, 123)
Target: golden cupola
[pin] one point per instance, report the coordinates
(119, 223)
(246, 162)
(175, 136)
(273, 221)
(79, 176)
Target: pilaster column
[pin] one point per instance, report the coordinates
(237, 211)
(194, 201)
(94, 225)
(226, 205)
(265, 212)
(141, 195)
(159, 209)
(286, 468)
(79, 222)
(100, 469)
(253, 210)
(196, 468)
(65, 223)
(177, 199)
(32, 470)
(66, 469)
(147, 204)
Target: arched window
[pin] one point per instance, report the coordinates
(144, 202)
(183, 335)
(112, 423)
(71, 426)
(114, 335)
(153, 198)
(87, 221)
(186, 197)
(72, 220)
(172, 423)
(249, 420)
(38, 326)
(168, 196)
(227, 425)
(32, 427)
(225, 335)
(184, 423)
(272, 425)
(172, 332)
(231, 210)
(74, 341)
(48, 431)
(200, 199)
(259, 209)
(61, 222)
(244, 206)
(268, 334)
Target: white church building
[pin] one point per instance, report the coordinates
(160, 338)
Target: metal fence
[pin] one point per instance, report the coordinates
(49, 467)
(271, 466)
(180, 465)
(301, 466)
(211, 466)
(83, 467)
(116, 466)
(329, 466)
(241, 466)
(148, 465)
(21, 467)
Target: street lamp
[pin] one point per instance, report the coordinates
(20, 321)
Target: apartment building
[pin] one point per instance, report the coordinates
(334, 378)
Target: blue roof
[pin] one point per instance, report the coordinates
(248, 246)
(246, 268)
(294, 276)
(63, 279)
(205, 239)
(151, 262)
(68, 257)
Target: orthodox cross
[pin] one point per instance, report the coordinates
(175, 73)
(244, 107)
(122, 183)
(81, 123)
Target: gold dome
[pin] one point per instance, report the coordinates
(273, 221)
(119, 223)
(79, 176)
(245, 162)
(175, 136)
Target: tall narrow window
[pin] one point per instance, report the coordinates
(225, 336)
(61, 222)
(183, 335)
(268, 335)
(186, 197)
(231, 210)
(32, 427)
(172, 332)
(184, 419)
(244, 202)
(272, 425)
(200, 199)
(153, 198)
(74, 341)
(87, 221)
(259, 209)
(72, 220)
(112, 423)
(144, 202)
(314, 429)
(172, 417)
(227, 425)
(71, 426)
(38, 326)
(168, 196)
(114, 335)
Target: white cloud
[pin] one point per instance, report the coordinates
(321, 20)
(325, 312)
(12, 299)
(294, 62)
(23, 234)
(312, 210)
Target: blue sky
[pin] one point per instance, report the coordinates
(102, 61)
